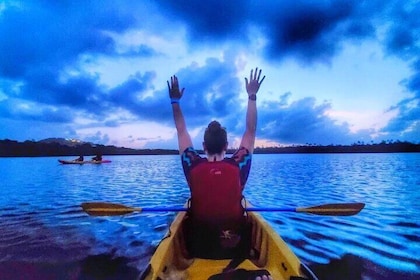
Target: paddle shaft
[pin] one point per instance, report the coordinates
(256, 209)
(250, 209)
(113, 209)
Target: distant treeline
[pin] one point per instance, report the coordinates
(11, 148)
(394, 147)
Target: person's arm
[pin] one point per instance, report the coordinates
(184, 139)
(252, 86)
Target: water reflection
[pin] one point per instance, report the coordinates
(42, 227)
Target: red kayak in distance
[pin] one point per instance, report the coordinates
(62, 161)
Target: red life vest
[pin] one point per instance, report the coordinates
(216, 194)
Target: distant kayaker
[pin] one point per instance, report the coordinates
(80, 158)
(98, 157)
(216, 226)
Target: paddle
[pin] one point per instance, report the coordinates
(114, 209)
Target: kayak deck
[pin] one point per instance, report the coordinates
(273, 254)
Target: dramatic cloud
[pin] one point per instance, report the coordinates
(403, 40)
(307, 30)
(87, 66)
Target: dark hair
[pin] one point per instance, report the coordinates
(215, 138)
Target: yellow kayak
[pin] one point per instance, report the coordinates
(274, 255)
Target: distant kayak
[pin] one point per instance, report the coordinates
(62, 161)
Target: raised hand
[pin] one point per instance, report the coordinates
(254, 83)
(174, 92)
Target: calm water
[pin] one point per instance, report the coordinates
(45, 235)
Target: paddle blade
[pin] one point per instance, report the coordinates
(334, 209)
(107, 209)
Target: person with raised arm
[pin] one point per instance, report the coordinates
(216, 225)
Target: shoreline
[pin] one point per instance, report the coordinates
(11, 148)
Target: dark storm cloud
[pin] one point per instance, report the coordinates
(211, 91)
(306, 30)
(312, 31)
(44, 38)
(315, 31)
(403, 40)
(406, 124)
(46, 34)
(41, 40)
(81, 92)
(404, 29)
(301, 121)
(208, 20)
(130, 96)
(13, 109)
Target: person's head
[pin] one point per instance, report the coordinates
(215, 138)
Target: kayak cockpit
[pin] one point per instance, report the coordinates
(269, 252)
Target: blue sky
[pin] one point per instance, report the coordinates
(337, 72)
